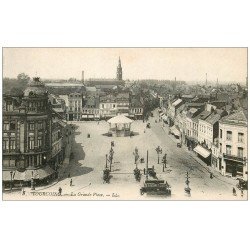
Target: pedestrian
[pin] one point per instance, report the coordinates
(60, 191)
(144, 171)
(242, 192)
(234, 192)
(71, 182)
(211, 176)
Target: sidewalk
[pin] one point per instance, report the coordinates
(209, 169)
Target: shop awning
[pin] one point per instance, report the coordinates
(202, 151)
(175, 131)
(37, 174)
(44, 172)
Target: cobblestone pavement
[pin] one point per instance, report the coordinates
(86, 168)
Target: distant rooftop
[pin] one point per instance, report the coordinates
(177, 102)
(63, 84)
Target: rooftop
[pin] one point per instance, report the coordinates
(213, 118)
(238, 118)
(177, 102)
(204, 114)
(122, 119)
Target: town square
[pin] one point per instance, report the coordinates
(116, 139)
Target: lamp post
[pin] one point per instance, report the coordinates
(187, 188)
(136, 154)
(32, 181)
(11, 172)
(111, 153)
(159, 151)
(106, 161)
(164, 161)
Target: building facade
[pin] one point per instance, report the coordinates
(27, 138)
(233, 145)
(74, 110)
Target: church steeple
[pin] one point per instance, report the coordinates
(119, 71)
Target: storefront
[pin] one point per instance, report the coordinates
(234, 168)
(203, 153)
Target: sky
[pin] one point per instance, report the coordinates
(187, 64)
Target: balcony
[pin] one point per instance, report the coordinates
(234, 158)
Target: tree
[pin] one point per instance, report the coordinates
(23, 78)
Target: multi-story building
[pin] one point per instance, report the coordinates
(27, 138)
(172, 108)
(57, 152)
(123, 103)
(233, 144)
(209, 129)
(74, 110)
(108, 106)
(58, 105)
(91, 110)
(191, 126)
(136, 108)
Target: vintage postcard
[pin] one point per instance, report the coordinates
(125, 124)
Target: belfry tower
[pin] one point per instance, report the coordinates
(119, 71)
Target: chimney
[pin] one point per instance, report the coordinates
(83, 76)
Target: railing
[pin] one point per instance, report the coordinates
(234, 158)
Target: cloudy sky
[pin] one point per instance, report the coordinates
(188, 64)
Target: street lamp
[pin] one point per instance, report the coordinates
(32, 181)
(106, 161)
(11, 172)
(136, 154)
(187, 188)
(111, 153)
(159, 151)
(164, 161)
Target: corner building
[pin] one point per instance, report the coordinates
(27, 138)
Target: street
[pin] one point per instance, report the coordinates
(88, 162)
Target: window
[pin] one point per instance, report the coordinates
(31, 142)
(228, 149)
(240, 137)
(12, 126)
(240, 152)
(40, 125)
(31, 126)
(220, 133)
(6, 126)
(229, 135)
(113, 105)
(31, 160)
(6, 144)
(12, 145)
(39, 142)
(103, 106)
(9, 106)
